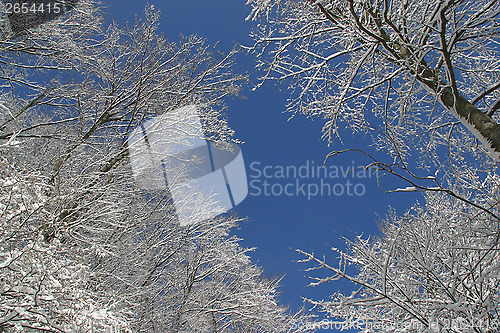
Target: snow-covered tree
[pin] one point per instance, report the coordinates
(435, 268)
(42, 287)
(396, 68)
(421, 78)
(82, 249)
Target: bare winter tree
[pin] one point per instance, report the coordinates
(422, 79)
(81, 248)
(433, 269)
(396, 67)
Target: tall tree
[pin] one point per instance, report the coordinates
(81, 248)
(420, 77)
(434, 269)
(395, 67)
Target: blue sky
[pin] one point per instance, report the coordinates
(278, 224)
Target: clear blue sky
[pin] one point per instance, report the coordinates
(277, 224)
